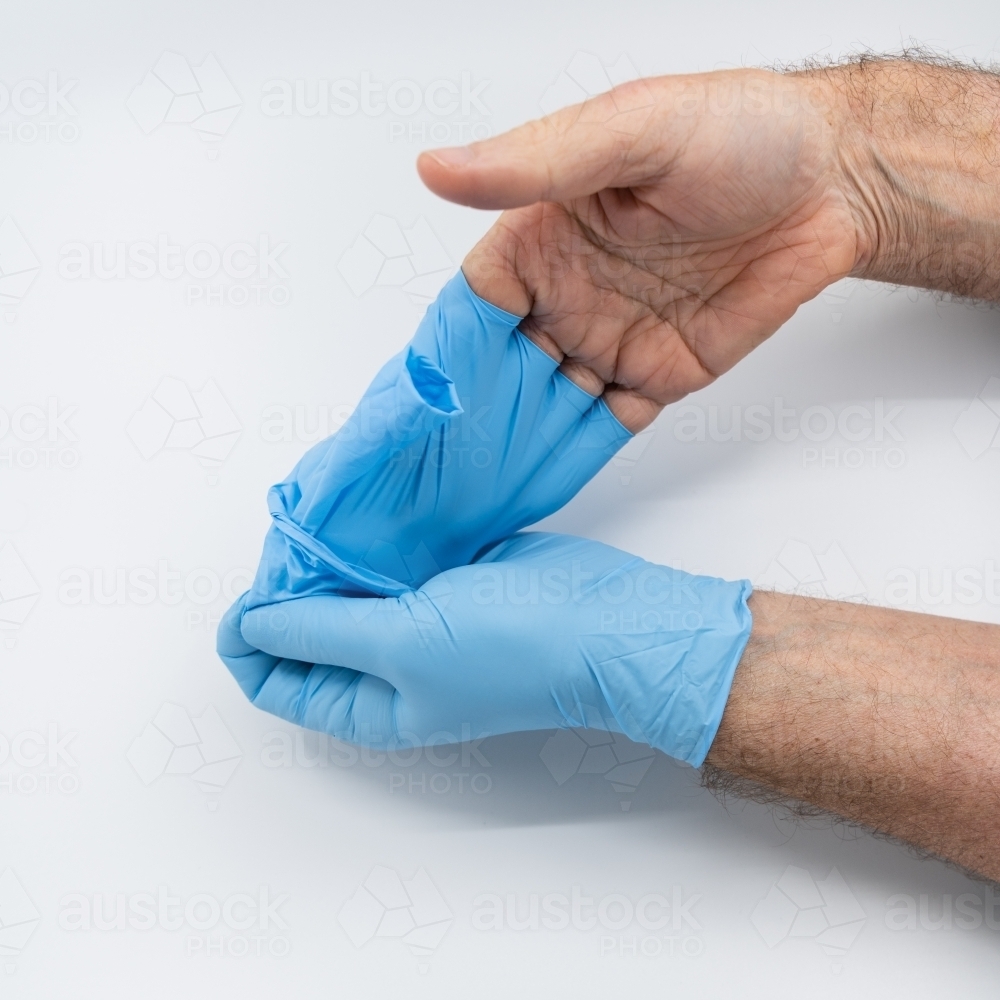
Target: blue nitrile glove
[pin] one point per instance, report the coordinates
(468, 435)
(543, 631)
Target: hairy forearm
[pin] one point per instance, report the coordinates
(883, 717)
(919, 144)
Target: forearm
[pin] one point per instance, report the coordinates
(920, 146)
(884, 717)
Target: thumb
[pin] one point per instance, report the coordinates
(357, 632)
(605, 142)
(247, 663)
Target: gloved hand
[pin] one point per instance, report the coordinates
(543, 631)
(465, 437)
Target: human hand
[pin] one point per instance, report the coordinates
(656, 234)
(468, 435)
(544, 631)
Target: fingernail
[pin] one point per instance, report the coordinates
(453, 156)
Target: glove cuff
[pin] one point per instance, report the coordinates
(668, 685)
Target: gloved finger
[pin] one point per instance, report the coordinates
(600, 432)
(567, 406)
(354, 632)
(464, 333)
(603, 143)
(347, 704)
(248, 664)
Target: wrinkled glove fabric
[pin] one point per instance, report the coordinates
(542, 631)
(468, 435)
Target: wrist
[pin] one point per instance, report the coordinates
(918, 147)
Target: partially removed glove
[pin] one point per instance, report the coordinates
(542, 631)
(463, 438)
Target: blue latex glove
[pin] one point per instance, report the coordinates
(465, 437)
(543, 631)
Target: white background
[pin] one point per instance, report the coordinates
(86, 823)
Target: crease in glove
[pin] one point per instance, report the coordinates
(542, 631)
(468, 435)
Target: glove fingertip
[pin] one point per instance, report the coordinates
(229, 638)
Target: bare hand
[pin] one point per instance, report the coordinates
(656, 234)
